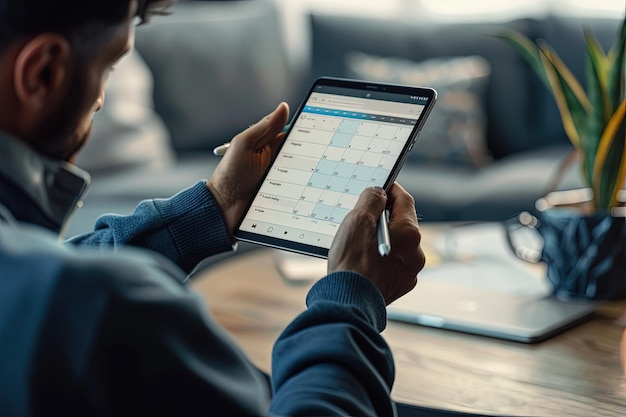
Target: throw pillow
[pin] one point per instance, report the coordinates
(455, 132)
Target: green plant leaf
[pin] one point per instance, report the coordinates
(621, 173)
(565, 75)
(608, 167)
(597, 68)
(528, 50)
(617, 74)
(570, 97)
(594, 121)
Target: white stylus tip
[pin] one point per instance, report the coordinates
(383, 249)
(221, 150)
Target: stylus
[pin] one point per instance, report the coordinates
(221, 150)
(384, 242)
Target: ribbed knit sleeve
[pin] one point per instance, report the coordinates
(186, 228)
(352, 289)
(331, 360)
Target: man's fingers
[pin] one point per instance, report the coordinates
(402, 203)
(372, 200)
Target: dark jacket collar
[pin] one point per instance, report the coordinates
(37, 189)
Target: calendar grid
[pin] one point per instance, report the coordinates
(329, 161)
(342, 141)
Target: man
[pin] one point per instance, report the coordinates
(102, 326)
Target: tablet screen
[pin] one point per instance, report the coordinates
(345, 137)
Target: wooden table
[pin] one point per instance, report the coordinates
(577, 373)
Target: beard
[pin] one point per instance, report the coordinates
(64, 132)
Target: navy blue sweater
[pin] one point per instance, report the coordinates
(104, 324)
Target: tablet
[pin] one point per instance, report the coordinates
(346, 135)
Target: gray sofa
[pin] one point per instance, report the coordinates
(219, 66)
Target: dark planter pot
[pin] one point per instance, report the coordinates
(585, 253)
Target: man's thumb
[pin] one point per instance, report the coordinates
(276, 120)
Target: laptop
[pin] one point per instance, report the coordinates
(472, 283)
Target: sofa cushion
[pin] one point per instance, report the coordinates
(455, 133)
(510, 90)
(218, 67)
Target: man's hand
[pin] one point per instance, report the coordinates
(240, 170)
(355, 245)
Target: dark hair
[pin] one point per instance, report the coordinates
(74, 19)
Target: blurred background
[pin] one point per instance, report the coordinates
(211, 68)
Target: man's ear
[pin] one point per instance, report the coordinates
(42, 68)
